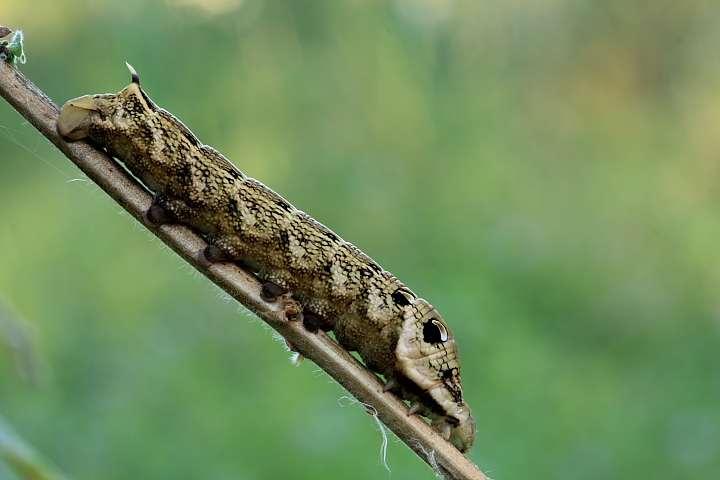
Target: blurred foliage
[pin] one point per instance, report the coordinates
(544, 172)
(17, 340)
(24, 460)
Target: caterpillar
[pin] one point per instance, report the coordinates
(397, 334)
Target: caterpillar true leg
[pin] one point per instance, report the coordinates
(390, 384)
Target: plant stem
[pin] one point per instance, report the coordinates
(42, 113)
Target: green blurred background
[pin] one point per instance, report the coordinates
(544, 172)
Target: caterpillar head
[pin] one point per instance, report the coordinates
(83, 116)
(428, 355)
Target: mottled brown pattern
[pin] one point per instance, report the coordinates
(396, 333)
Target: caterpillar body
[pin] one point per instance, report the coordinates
(396, 333)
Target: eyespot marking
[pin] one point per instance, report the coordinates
(434, 331)
(403, 297)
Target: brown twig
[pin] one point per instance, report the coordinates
(42, 113)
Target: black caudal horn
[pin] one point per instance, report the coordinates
(135, 77)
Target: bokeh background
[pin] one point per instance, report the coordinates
(545, 172)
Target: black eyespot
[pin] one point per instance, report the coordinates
(434, 331)
(447, 374)
(403, 297)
